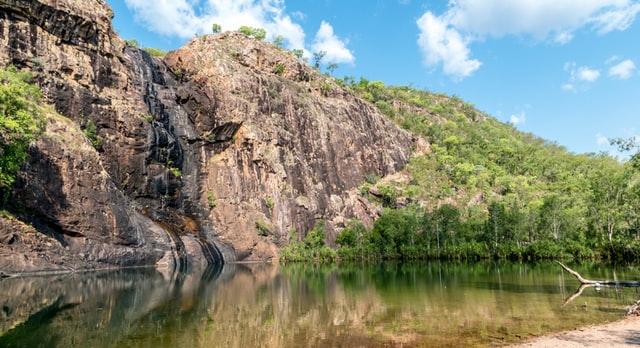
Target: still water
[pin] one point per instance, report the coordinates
(259, 305)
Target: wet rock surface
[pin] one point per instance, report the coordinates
(192, 151)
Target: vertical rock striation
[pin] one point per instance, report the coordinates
(194, 152)
(285, 146)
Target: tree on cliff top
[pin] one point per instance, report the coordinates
(256, 33)
(21, 121)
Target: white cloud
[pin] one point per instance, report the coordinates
(466, 21)
(517, 119)
(623, 70)
(167, 17)
(540, 18)
(601, 140)
(579, 77)
(187, 18)
(617, 19)
(336, 49)
(612, 60)
(442, 44)
(587, 74)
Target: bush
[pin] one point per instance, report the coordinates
(388, 195)
(263, 229)
(256, 33)
(619, 251)
(216, 28)
(211, 200)
(577, 251)
(155, 52)
(352, 235)
(132, 43)
(91, 132)
(311, 249)
(298, 53)
(269, 203)
(21, 121)
(543, 250)
(279, 69)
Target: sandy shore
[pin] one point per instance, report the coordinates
(624, 333)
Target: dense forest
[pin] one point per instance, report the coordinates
(486, 190)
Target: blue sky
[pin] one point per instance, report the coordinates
(562, 69)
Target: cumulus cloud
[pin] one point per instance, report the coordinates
(186, 18)
(623, 70)
(444, 45)
(517, 119)
(587, 74)
(167, 17)
(579, 76)
(466, 21)
(335, 49)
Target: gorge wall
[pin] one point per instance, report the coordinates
(224, 150)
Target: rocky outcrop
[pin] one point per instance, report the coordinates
(219, 152)
(285, 145)
(80, 211)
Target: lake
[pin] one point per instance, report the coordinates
(262, 305)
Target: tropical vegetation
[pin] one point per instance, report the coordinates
(483, 189)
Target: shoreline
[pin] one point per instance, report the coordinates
(624, 332)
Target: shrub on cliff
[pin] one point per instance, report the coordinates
(216, 28)
(155, 52)
(256, 33)
(21, 121)
(311, 249)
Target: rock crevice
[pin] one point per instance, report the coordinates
(195, 151)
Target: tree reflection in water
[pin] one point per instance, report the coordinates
(270, 306)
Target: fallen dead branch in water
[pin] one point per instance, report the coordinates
(589, 283)
(584, 281)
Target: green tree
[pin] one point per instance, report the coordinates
(256, 33)
(318, 57)
(631, 145)
(298, 53)
(332, 68)
(21, 121)
(216, 28)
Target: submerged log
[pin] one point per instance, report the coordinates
(584, 281)
(589, 283)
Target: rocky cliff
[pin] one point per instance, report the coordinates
(218, 152)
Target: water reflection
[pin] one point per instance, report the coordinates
(263, 305)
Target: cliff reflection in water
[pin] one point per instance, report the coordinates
(266, 305)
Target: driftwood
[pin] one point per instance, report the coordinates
(588, 283)
(584, 281)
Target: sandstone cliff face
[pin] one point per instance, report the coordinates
(195, 151)
(287, 145)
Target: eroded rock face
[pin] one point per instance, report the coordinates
(91, 76)
(286, 147)
(226, 134)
